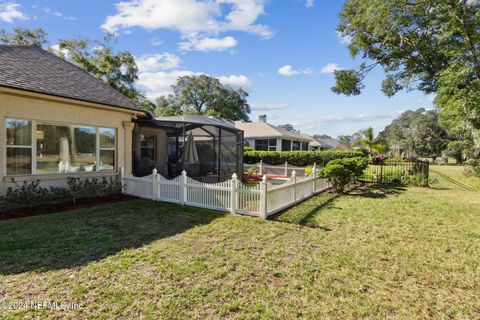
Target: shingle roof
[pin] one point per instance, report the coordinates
(34, 69)
(265, 130)
(334, 143)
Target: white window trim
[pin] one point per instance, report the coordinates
(33, 148)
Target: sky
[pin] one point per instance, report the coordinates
(282, 52)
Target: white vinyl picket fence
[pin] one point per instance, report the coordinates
(285, 169)
(261, 200)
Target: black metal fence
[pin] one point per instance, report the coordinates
(411, 172)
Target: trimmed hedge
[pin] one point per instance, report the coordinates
(298, 158)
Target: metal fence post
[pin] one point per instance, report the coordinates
(154, 185)
(263, 198)
(294, 178)
(183, 188)
(233, 195)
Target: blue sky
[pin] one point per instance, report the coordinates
(282, 52)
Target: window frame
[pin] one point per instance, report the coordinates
(270, 147)
(33, 147)
(153, 147)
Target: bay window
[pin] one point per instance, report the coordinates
(35, 147)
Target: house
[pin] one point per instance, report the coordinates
(261, 135)
(58, 121)
(325, 144)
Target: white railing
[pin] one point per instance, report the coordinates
(284, 170)
(260, 200)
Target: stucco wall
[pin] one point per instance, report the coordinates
(33, 107)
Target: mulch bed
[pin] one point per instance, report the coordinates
(64, 206)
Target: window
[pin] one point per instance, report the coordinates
(45, 148)
(65, 148)
(286, 145)
(304, 145)
(148, 147)
(295, 145)
(266, 144)
(19, 146)
(107, 148)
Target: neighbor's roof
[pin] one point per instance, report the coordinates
(333, 143)
(313, 141)
(201, 120)
(34, 69)
(265, 130)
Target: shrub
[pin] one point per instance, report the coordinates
(298, 158)
(308, 170)
(341, 172)
(251, 171)
(31, 194)
(473, 167)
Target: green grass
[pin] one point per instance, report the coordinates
(456, 173)
(403, 254)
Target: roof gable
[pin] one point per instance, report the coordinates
(265, 130)
(34, 69)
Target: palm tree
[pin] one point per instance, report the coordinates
(366, 139)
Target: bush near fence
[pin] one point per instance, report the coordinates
(298, 158)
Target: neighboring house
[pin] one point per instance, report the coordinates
(264, 136)
(58, 121)
(325, 144)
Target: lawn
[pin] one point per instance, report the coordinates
(455, 173)
(379, 254)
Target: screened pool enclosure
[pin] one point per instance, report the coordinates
(209, 149)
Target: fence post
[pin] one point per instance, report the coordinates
(183, 188)
(260, 170)
(122, 182)
(233, 201)
(286, 169)
(314, 175)
(294, 179)
(154, 185)
(263, 198)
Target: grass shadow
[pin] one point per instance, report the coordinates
(306, 213)
(75, 238)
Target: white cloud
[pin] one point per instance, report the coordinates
(288, 71)
(155, 41)
(208, 44)
(55, 13)
(310, 3)
(160, 83)
(236, 81)
(192, 18)
(157, 61)
(268, 107)
(344, 39)
(330, 68)
(9, 12)
(60, 52)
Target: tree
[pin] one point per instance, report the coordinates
(431, 46)
(118, 70)
(415, 133)
(205, 95)
(21, 36)
(288, 127)
(366, 139)
(322, 136)
(346, 140)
